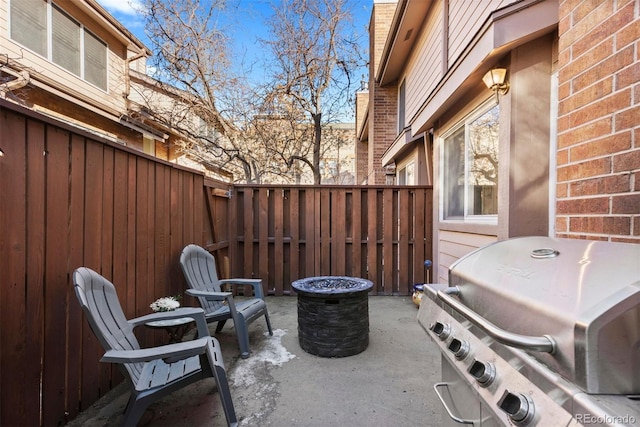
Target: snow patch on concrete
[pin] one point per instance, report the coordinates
(272, 352)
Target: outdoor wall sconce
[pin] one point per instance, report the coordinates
(495, 80)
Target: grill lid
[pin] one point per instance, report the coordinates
(581, 296)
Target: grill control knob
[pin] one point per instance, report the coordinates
(442, 330)
(483, 372)
(460, 349)
(519, 407)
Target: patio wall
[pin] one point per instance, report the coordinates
(69, 198)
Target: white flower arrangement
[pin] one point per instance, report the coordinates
(165, 304)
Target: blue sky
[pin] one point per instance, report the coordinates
(244, 21)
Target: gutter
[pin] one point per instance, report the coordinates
(391, 38)
(127, 74)
(22, 79)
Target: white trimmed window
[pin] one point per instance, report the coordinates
(149, 145)
(407, 174)
(46, 29)
(470, 167)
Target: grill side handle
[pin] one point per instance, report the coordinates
(544, 343)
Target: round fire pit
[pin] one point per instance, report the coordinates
(333, 315)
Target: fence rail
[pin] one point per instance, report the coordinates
(283, 233)
(70, 199)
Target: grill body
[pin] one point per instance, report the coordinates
(541, 331)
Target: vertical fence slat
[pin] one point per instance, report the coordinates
(388, 244)
(262, 219)
(278, 248)
(234, 252)
(294, 245)
(75, 260)
(356, 234)
(132, 259)
(119, 232)
(13, 400)
(373, 261)
(250, 269)
(162, 251)
(35, 262)
(339, 232)
(405, 214)
(310, 233)
(35, 259)
(419, 237)
(143, 241)
(56, 285)
(324, 241)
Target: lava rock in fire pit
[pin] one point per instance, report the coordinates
(333, 315)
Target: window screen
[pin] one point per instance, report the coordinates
(65, 41)
(95, 60)
(29, 24)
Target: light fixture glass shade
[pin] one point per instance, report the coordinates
(495, 78)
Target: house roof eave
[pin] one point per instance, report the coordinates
(405, 27)
(110, 22)
(362, 133)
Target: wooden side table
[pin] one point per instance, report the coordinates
(176, 328)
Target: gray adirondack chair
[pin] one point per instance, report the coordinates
(154, 372)
(199, 268)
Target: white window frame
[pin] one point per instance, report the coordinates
(402, 171)
(402, 108)
(49, 43)
(466, 217)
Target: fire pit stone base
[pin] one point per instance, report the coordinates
(333, 315)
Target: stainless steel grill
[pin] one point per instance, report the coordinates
(539, 331)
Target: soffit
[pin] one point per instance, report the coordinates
(106, 20)
(405, 27)
(362, 133)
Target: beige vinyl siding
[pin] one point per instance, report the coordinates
(465, 20)
(4, 27)
(424, 70)
(454, 245)
(42, 69)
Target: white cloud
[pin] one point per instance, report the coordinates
(127, 7)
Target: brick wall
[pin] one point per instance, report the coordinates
(382, 129)
(598, 158)
(361, 148)
(382, 118)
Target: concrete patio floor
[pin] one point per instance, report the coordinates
(389, 384)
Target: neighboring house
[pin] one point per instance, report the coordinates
(73, 61)
(555, 153)
(337, 159)
(337, 156)
(70, 60)
(175, 112)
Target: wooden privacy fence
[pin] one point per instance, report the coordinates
(69, 199)
(282, 233)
